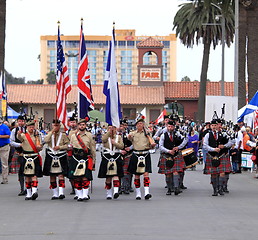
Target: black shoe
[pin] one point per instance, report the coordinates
(5, 182)
(177, 191)
(138, 198)
(168, 192)
(28, 198)
(75, 197)
(72, 192)
(22, 193)
(225, 190)
(109, 198)
(215, 193)
(54, 198)
(116, 195)
(126, 191)
(34, 196)
(148, 196)
(183, 187)
(86, 198)
(131, 189)
(221, 191)
(79, 199)
(62, 196)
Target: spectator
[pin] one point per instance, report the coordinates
(4, 150)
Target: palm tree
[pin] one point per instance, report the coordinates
(248, 49)
(2, 33)
(195, 21)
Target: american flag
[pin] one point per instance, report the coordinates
(63, 84)
(85, 98)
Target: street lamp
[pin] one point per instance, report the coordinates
(223, 34)
(223, 27)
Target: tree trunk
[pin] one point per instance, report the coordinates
(2, 33)
(252, 52)
(203, 80)
(242, 57)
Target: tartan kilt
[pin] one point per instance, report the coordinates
(126, 161)
(38, 168)
(15, 163)
(225, 165)
(104, 165)
(134, 161)
(179, 164)
(72, 164)
(48, 162)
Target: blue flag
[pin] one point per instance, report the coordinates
(249, 108)
(113, 107)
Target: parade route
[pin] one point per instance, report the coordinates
(194, 214)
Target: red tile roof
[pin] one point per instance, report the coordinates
(190, 90)
(129, 94)
(45, 94)
(150, 42)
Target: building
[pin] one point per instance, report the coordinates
(41, 98)
(97, 47)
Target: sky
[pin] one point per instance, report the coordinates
(27, 20)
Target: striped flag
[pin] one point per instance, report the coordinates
(161, 116)
(3, 93)
(113, 108)
(85, 99)
(63, 84)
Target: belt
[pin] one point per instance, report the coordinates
(141, 152)
(30, 154)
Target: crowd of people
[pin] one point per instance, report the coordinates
(125, 155)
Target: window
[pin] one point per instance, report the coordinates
(130, 113)
(72, 44)
(52, 52)
(51, 44)
(166, 44)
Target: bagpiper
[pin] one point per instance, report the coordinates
(217, 158)
(16, 159)
(171, 161)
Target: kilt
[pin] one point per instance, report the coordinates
(134, 161)
(15, 163)
(179, 164)
(72, 164)
(48, 163)
(38, 167)
(225, 165)
(104, 165)
(126, 160)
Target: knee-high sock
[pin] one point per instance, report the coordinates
(21, 181)
(169, 181)
(226, 179)
(214, 182)
(176, 180)
(181, 179)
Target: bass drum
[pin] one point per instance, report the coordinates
(189, 157)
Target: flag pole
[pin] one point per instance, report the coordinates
(58, 30)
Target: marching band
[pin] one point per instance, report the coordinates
(125, 156)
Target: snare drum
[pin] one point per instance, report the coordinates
(189, 157)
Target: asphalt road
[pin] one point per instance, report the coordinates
(194, 214)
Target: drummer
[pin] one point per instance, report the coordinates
(171, 162)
